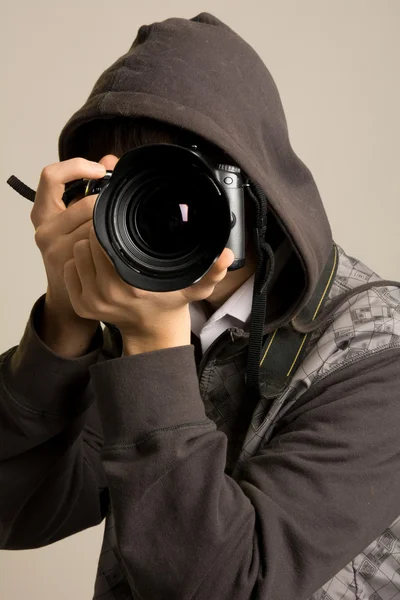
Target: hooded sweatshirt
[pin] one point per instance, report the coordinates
(206, 493)
(200, 75)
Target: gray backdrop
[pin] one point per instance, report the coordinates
(336, 66)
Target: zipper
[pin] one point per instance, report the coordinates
(230, 332)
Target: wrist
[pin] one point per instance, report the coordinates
(172, 333)
(67, 335)
(133, 346)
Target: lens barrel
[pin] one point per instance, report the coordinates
(163, 218)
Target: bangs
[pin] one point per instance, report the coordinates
(116, 136)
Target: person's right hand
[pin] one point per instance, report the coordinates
(57, 229)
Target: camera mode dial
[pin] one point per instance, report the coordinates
(229, 168)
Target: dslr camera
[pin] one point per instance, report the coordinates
(165, 214)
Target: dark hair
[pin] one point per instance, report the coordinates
(99, 137)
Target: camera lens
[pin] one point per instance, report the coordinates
(167, 221)
(163, 219)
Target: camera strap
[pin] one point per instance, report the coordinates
(272, 360)
(263, 275)
(22, 189)
(285, 348)
(72, 189)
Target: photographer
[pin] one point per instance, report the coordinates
(239, 434)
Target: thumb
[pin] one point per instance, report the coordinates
(226, 258)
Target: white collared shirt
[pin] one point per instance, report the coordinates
(235, 312)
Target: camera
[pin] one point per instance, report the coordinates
(165, 214)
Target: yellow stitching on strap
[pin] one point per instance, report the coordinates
(269, 346)
(294, 362)
(316, 312)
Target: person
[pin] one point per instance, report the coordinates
(133, 406)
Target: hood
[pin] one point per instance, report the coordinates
(200, 75)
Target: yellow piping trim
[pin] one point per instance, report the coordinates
(316, 312)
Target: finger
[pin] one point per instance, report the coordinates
(109, 161)
(85, 267)
(226, 258)
(77, 214)
(73, 283)
(84, 210)
(48, 199)
(103, 265)
(81, 233)
(219, 269)
(205, 286)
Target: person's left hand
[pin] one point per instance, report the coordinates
(147, 320)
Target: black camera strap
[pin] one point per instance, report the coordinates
(72, 189)
(22, 189)
(263, 275)
(285, 348)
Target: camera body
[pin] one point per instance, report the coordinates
(165, 214)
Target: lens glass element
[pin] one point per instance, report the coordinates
(168, 221)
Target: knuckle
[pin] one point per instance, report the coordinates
(51, 254)
(68, 265)
(41, 237)
(33, 217)
(102, 308)
(139, 294)
(110, 292)
(107, 291)
(84, 209)
(81, 310)
(80, 163)
(92, 304)
(87, 203)
(47, 173)
(80, 247)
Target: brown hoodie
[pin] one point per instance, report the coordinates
(200, 75)
(139, 440)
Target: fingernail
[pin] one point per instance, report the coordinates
(98, 167)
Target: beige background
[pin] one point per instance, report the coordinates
(336, 65)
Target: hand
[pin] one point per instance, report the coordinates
(146, 320)
(57, 229)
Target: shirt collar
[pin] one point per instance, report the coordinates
(237, 306)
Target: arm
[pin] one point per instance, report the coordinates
(52, 483)
(317, 494)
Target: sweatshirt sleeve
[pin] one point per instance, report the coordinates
(52, 482)
(324, 487)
